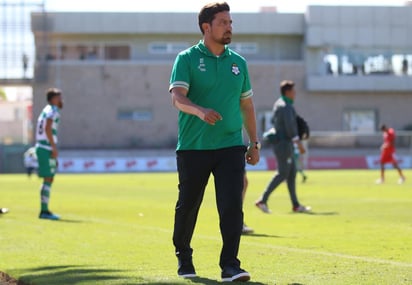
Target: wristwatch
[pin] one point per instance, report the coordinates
(256, 145)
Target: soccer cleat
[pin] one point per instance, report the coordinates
(47, 215)
(302, 209)
(263, 206)
(401, 180)
(379, 181)
(233, 274)
(246, 230)
(185, 268)
(3, 210)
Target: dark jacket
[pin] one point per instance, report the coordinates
(284, 120)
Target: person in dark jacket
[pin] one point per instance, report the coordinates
(284, 122)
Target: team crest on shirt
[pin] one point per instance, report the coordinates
(235, 69)
(202, 65)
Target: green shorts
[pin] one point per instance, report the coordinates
(47, 164)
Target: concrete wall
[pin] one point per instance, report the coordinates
(325, 110)
(369, 83)
(359, 26)
(162, 23)
(94, 93)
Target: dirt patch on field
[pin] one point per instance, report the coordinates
(5, 279)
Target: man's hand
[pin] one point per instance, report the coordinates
(54, 153)
(252, 155)
(210, 116)
(301, 148)
(185, 105)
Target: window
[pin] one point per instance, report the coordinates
(245, 48)
(134, 115)
(117, 52)
(167, 48)
(359, 120)
(365, 62)
(88, 52)
(72, 52)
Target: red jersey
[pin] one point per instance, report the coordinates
(388, 147)
(389, 139)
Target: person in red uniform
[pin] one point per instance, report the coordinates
(388, 154)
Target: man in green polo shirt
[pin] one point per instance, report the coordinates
(210, 87)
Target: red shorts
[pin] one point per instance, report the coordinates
(388, 156)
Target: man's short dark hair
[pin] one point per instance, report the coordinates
(208, 12)
(286, 85)
(383, 127)
(52, 92)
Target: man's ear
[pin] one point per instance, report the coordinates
(206, 27)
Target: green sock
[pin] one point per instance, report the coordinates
(44, 196)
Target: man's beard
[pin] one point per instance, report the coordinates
(226, 39)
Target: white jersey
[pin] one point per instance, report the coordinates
(49, 112)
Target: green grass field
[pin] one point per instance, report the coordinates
(117, 229)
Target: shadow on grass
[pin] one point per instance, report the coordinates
(316, 214)
(207, 281)
(260, 235)
(65, 221)
(74, 274)
(68, 274)
(70, 221)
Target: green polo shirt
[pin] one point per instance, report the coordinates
(215, 82)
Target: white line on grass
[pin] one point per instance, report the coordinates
(298, 250)
(277, 247)
(332, 254)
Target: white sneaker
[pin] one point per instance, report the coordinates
(302, 209)
(246, 230)
(263, 206)
(379, 181)
(401, 180)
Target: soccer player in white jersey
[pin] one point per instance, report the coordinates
(46, 148)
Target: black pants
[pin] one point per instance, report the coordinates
(194, 167)
(284, 153)
(30, 170)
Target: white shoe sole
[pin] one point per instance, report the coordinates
(190, 275)
(244, 276)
